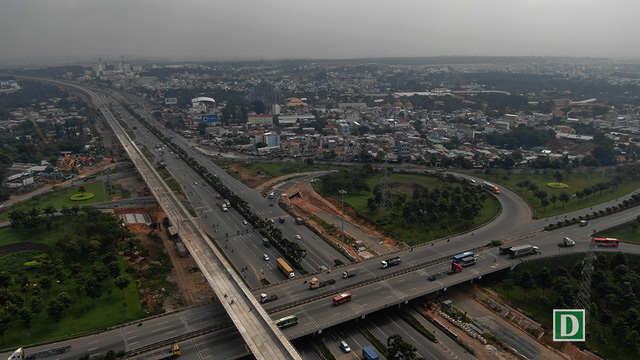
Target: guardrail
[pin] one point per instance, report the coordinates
(366, 282)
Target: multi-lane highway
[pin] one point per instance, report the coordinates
(319, 253)
(219, 336)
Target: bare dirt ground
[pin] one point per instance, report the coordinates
(245, 175)
(311, 203)
(193, 289)
(130, 183)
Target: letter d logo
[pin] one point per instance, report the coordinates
(569, 325)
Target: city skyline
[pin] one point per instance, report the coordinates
(71, 30)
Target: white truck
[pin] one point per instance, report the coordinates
(524, 250)
(349, 273)
(20, 354)
(566, 242)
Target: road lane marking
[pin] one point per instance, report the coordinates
(164, 328)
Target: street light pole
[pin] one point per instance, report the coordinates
(342, 192)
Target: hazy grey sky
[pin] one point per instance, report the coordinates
(36, 30)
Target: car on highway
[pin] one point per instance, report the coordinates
(583, 223)
(344, 346)
(195, 183)
(265, 257)
(244, 222)
(272, 221)
(298, 237)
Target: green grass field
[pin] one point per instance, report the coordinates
(576, 181)
(60, 197)
(413, 233)
(11, 236)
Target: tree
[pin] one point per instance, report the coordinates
(527, 283)
(606, 317)
(5, 322)
(5, 279)
(114, 269)
(617, 259)
(398, 349)
(371, 204)
(93, 289)
(81, 189)
(558, 176)
(100, 272)
(544, 203)
(632, 341)
(17, 218)
(508, 285)
(26, 316)
(564, 197)
(36, 304)
(56, 311)
(554, 200)
(46, 283)
(64, 299)
(258, 106)
(544, 279)
(122, 282)
(50, 210)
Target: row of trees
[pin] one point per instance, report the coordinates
(545, 200)
(290, 249)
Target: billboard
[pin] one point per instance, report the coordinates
(170, 101)
(209, 118)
